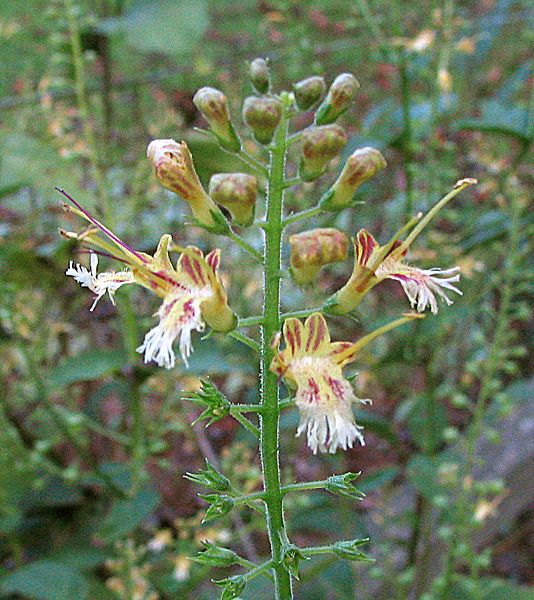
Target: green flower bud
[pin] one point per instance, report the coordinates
(339, 98)
(213, 105)
(309, 91)
(259, 75)
(312, 250)
(359, 168)
(237, 192)
(262, 115)
(319, 146)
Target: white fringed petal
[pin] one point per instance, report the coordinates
(99, 283)
(421, 286)
(179, 317)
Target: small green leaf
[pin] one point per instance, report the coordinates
(426, 421)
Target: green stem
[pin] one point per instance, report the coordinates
(303, 214)
(301, 314)
(292, 181)
(461, 185)
(240, 418)
(269, 381)
(305, 485)
(245, 245)
(248, 321)
(244, 339)
(252, 162)
(256, 408)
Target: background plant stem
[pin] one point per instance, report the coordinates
(462, 526)
(83, 109)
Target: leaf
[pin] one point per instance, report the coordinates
(428, 475)
(79, 556)
(378, 479)
(378, 424)
(489, 588)
(426, 421)
(126, 515)
(164, 26)
(86, 366)
(46, 580)
(501, 118)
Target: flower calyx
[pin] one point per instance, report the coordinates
(213, 105)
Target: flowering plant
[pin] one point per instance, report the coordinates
(309, 364)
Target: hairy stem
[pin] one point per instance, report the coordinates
(268, 381)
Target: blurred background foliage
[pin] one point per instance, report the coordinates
(94, 445)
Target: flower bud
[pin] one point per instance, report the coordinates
(174, 168)
(262, 115)
(319, 146)
(259, 75)
(214, 107)
(360, 166)
(339, 98)
(312, 250)
(237, 192)
(309, 91)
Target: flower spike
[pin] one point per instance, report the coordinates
(312, 364)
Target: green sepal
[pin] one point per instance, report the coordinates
(216, 403)
(230, 144)
(220, 223)
(233, 586)
(219, 505)
(329, 306)
(291, 556)
(215, 556)
(325, 201)
(210, 478)
(341, 485)
(349, 550)
(326, 114)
